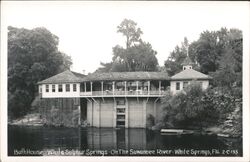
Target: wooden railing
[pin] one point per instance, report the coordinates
(123, 93)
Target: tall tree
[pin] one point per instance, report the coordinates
(229, 72)
(178, 55)
(32, 56)
(211, 52)
(137, 56)
(130, 31)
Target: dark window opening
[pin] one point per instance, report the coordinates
(121, 117)
(60, 89)
(74, 87)
(53, 88)
(120, 110)
(177, 85)
(47, 88)
(120, 102)
(67, 87)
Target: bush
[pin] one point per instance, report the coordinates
(194, 108)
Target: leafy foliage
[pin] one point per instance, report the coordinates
(218, 53)
(176, 58)
(196, 108)
(137, 56)
(212, 51)
(32, 56)
(129, 30)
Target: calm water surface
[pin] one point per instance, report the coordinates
(33, 141)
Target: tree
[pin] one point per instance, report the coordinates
(32, 56)
(185, 109)
(210, 52)
(174, 62)
(129, 30)
(137, 56)
(229, 72)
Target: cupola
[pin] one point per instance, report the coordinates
(187, 63)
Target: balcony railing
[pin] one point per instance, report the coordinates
(139, 93)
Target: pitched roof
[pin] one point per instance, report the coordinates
(190, 74)
(64, 77)
(187, 61)
(127, 76)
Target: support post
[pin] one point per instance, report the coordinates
(79, 117)
(85, 87)
(155, 113)
(91, 83)
(137, 89)
(114, 113)
(159, 87)
(102, 87)
(125, 87)
(144, 112)
(148, 87)
(113, 87)
(126, 114)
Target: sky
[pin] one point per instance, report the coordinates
(87, 31)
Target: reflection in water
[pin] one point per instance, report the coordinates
(31, 140)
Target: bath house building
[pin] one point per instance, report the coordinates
(114, 99)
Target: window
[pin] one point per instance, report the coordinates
(185, 84)
(120, 117)
(47, 88)
(177, 85)
(53, 88)
(120, 102)
(60, 89)
(74, 87)
(67, 87)
(120, 110)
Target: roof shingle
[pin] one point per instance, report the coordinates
(64, 77)
(190, 74)
(73, 77)
(128, 76)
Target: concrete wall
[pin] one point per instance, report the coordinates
(135, 113)
(107, 113)
(100, 113)
(90, 112)
(103, 113)
(62, 94)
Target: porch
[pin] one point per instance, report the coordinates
(124, 89)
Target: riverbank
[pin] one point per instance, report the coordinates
(29, 120)
(35, 119)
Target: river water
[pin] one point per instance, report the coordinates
(48, 141)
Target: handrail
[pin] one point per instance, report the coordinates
(123, 93)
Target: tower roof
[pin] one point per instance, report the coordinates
(187, 61)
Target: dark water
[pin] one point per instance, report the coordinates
(33, 141)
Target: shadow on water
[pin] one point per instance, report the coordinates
(33, 141)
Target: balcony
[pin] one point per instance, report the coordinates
(131, 93)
